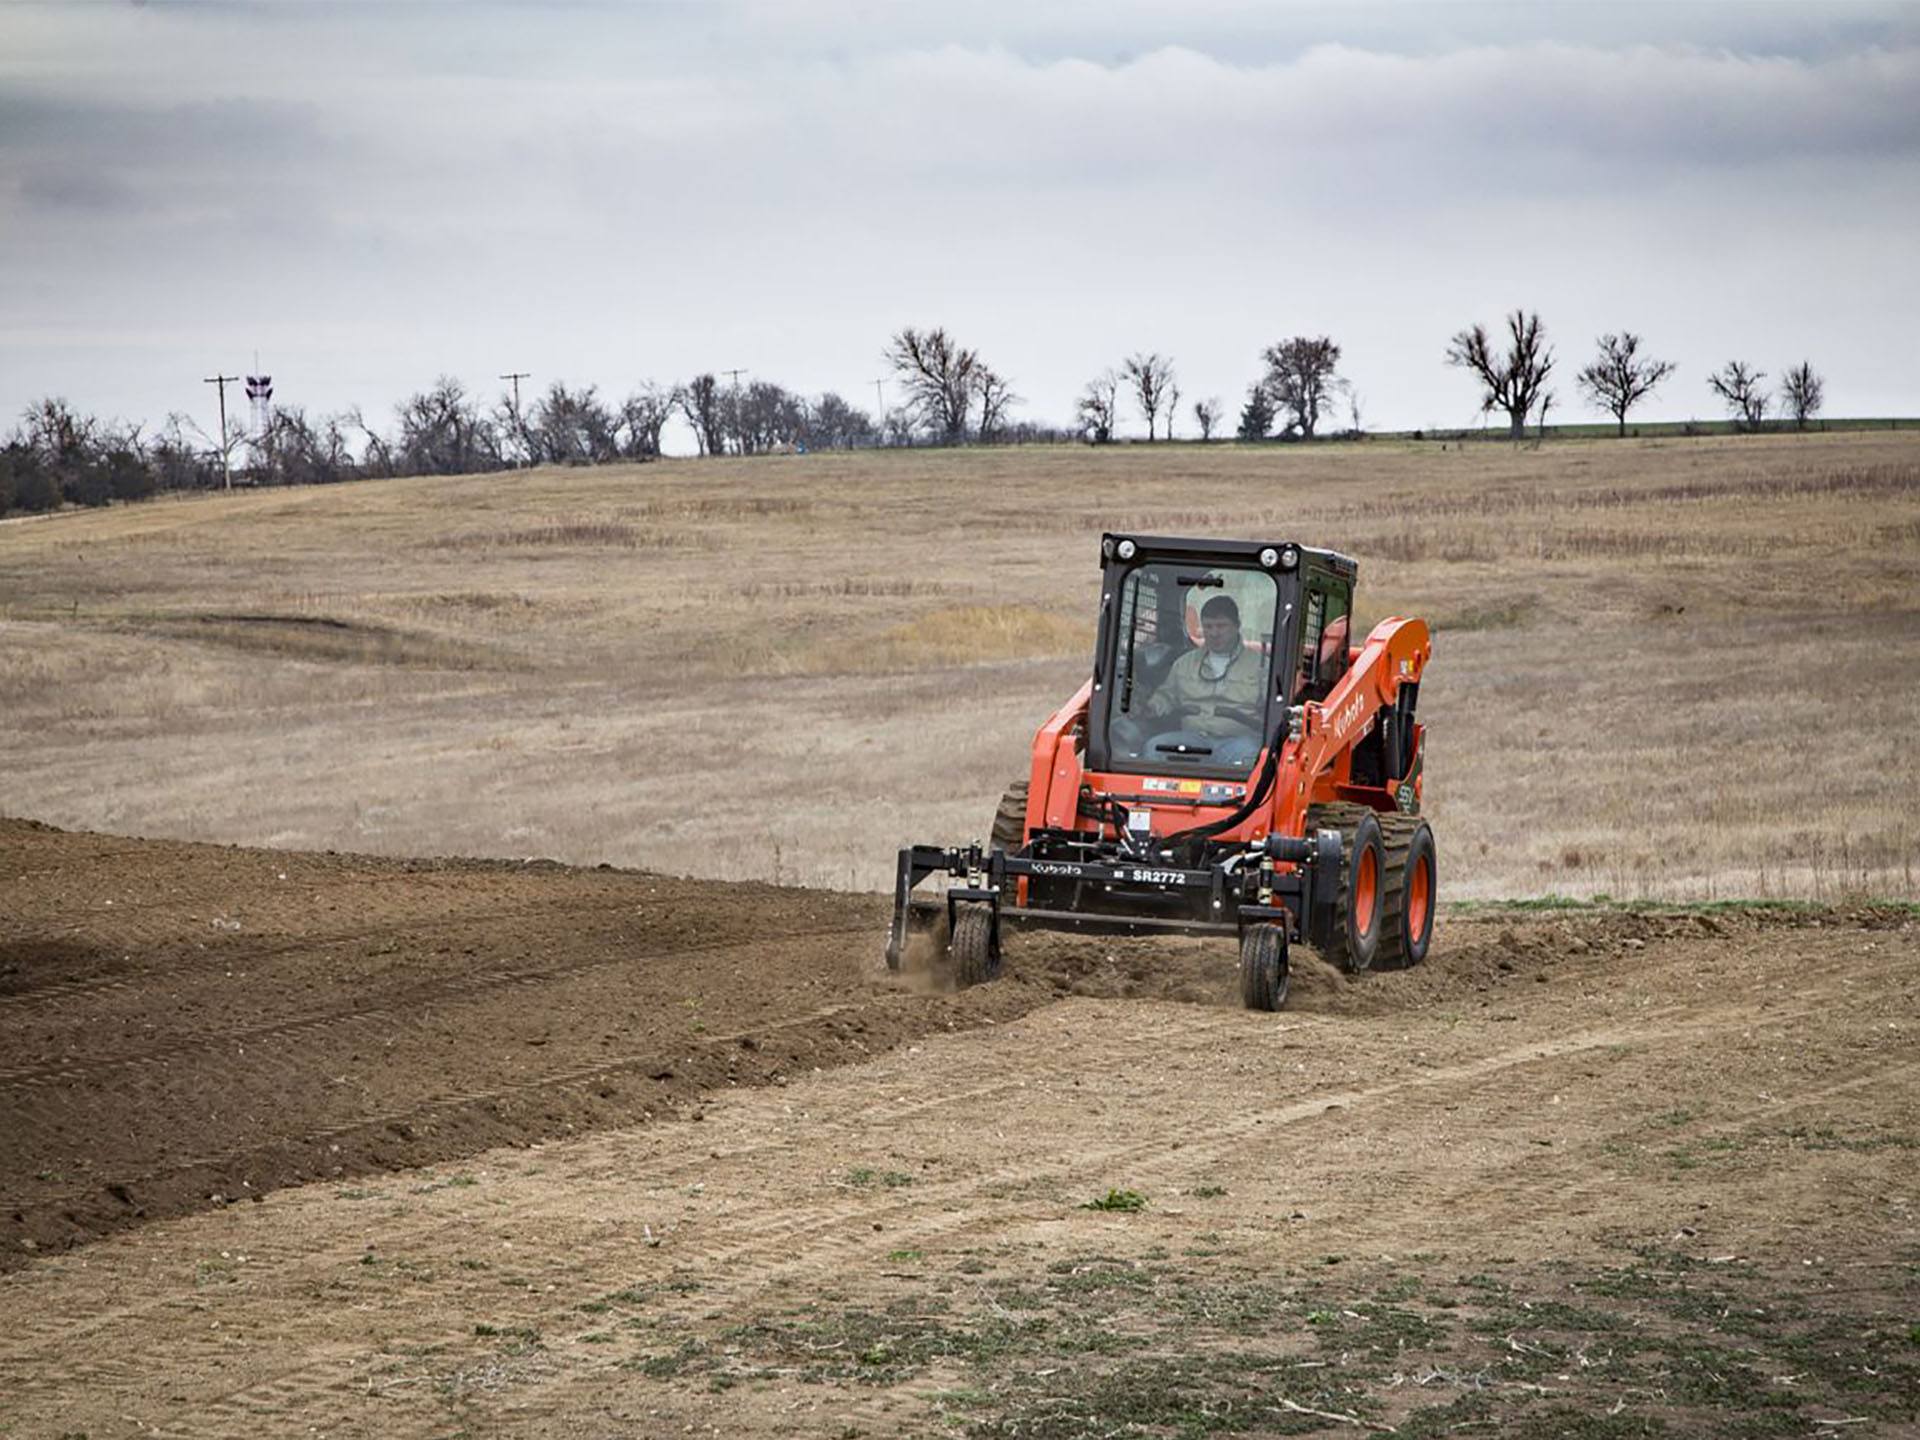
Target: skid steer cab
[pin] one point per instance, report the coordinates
(1236, 766)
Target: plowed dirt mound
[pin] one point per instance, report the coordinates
(184, 1026)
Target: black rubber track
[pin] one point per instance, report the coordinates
(1010, 820)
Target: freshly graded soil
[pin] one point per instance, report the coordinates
(605, 1151)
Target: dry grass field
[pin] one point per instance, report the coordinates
(1663, 668)
(541, 1151)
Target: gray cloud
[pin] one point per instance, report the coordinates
(374, 194)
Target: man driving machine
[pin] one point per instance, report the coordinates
(1213, 693)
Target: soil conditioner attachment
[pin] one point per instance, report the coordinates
(1234, 767)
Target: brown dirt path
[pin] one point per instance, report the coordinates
(1440, 1158)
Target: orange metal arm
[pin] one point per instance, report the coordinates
(1053, 785)
(1395, 654)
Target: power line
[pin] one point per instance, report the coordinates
(226, 463)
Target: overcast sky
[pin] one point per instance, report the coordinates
(372, 194)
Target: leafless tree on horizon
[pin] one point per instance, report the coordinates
(938, 374)
(699, 402)
(1206, 414)
(1151, 377)
(1619, 377)
(1302, 377)
(1099, 405)
(1739, 385)
(996, 398)
(1802, 393)
(1513, 381)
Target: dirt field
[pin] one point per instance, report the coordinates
(595, 1152)
(1678, 669)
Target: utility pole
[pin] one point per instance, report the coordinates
(516, 376)
(739, 440)
(226, 464)
(880, 402)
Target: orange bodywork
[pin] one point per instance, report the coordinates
(1315, 766)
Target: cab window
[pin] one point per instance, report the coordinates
(1326, 630)
(1191, 661)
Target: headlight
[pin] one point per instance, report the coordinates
(1289, 557)
(1106, 547)
(1127, 549)
(1269, 557)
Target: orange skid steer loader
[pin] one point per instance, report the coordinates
(1234, 767)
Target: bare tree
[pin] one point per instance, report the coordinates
(1739, 385)
(442, 432)
(833, 424)
(1173, 406)
(643, 415)
(1619, 377)
(1099, 404)
(1151, 376)
(1206, 414)
(1802, 393)
(297, 451)
(573, 427)
(1513, 381)
(58, 434)
(996, 397)
(938, 374)
(218, 451)
(767, 417)
(1302, 377)
(180, 456)
(699, 401)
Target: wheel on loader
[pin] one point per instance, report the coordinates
(1411, 877)
(1263, 967)
(1352, 939)
(975, 955)
(1384, 916)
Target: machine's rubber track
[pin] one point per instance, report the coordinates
(1010, 820)
(1396, 834)
(1344, 817)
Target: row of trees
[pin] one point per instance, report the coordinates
(950, 396)
(1513, 376)
(1300, 387)
(58, 456)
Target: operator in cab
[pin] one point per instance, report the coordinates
(1212, 694)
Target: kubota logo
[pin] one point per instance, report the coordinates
(1348, 714)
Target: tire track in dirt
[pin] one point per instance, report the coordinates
(392, 1007)
(231, 950)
